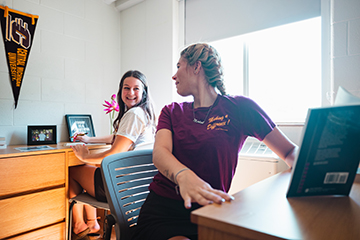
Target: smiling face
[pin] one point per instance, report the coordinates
(183, 78)
(132, 91)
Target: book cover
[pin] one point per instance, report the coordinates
(329, 156)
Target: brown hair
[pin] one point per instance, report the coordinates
(145, 103)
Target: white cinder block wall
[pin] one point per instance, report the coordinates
(74, 65)
(345, 42)
(80, 44)
(149, 43)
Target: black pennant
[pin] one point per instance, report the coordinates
(18, 33)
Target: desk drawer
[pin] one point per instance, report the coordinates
(54, 232)
(74, 161)
(28, 173)
(25, 213)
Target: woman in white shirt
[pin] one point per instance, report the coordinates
(134, 125)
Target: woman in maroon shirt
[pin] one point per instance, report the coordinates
(197, 145)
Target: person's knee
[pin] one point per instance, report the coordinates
(74, 170)
(179, 238)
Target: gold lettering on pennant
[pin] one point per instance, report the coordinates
(20, 71)
(17, 31)
(8, 28)
(21, 56)
(18, 28)
(20, 33)
(12, 64)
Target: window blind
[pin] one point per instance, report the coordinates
(211, 20)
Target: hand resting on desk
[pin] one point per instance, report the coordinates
(80, 151)
(194, 189)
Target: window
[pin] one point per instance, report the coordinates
(279, 68)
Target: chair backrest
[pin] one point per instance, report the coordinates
(127, 176)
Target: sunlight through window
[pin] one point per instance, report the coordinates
(280, 68)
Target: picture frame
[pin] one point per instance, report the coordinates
(40, 135)
(80, 123)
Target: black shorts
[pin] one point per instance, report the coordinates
(99, 186)
(162, 218)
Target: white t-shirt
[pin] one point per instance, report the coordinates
(135, 126)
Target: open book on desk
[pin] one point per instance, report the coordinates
(329, 156)
(77, 143)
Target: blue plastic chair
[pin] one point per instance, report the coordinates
(127, 176)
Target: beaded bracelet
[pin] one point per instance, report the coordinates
(177, 185)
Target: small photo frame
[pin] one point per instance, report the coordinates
(80, 123)
(40, 135)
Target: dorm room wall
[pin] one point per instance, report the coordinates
(73, 66)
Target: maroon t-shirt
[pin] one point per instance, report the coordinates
(210, 150)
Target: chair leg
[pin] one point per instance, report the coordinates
(109, 222)
(70, 219)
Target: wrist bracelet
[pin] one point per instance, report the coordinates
(178, 174)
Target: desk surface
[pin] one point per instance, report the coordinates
(11, 150)
(72, 160)
(262, 211)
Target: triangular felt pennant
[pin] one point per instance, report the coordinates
(18, 30)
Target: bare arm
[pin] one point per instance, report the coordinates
(163, 158)
(281, 145)
(192, 188)
(121, 144)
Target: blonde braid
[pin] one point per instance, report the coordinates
(211, 63)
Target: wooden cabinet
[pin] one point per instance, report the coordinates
(33, 192)
(28, 173)
(54, 232)
(32, 211)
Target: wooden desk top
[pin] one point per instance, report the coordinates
(10, 151)
(262, 211)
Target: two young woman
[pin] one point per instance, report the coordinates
(134, 125)
(197, 144)
(196, 147)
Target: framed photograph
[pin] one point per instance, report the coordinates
(79, 123)
(40, 135)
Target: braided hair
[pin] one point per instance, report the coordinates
(210, 61)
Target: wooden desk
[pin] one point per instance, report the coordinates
(33, 191)
(263, 212)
